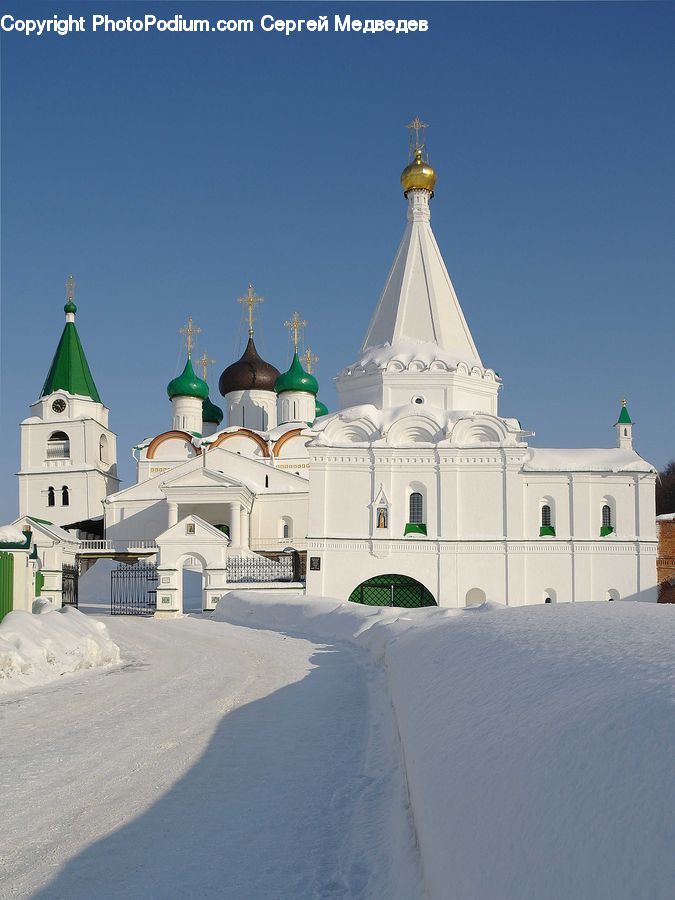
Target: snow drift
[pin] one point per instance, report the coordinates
(37, 647)
(537, 740)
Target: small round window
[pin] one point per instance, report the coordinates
(418, 399)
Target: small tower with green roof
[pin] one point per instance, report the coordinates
(624, 428)
(212, 415)
(68, 453)
(188, 391)
(296, 389)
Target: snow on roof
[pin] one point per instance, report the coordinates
(547, 459)
(10, 534)
(666, 517)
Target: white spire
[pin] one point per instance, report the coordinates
(419, 301)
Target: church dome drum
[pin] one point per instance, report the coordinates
(250, 373)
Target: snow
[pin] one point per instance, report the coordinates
(309, 748)
(536, 739)
(406, 351)
(666, 517)
(36, 649)
(10, 534)
(587, 460)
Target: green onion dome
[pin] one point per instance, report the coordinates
(296, 379)
(188, 384)
(70, 307)
(211, 412)
(321, 408)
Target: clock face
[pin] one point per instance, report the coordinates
(59, 405)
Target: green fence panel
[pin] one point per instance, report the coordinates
(392, 590)
(39, 583)
(6, 583)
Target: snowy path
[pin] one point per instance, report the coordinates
(218, 762)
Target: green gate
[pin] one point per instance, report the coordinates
(39, 583)
(6, 583)
(392, 590)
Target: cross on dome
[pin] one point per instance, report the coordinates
(250, 300)
(309, 359)
(189, 331)
(295, 325)
(205, 362)
(417, 125)
(70, 288)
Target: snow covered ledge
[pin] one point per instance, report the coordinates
(37, 649)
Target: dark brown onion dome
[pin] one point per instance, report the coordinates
(250, 373)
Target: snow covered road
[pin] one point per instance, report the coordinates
(217, 762)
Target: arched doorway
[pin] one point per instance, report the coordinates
(392, 590)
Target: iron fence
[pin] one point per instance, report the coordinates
(70, 579)
(270, 567)
(133, 590)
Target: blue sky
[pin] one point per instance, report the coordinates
(165, 171)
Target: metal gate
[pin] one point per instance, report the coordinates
(392, 590)
(133, 590)
(70, 577)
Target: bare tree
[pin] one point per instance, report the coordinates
(665, 490)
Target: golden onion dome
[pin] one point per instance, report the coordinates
(419, 175)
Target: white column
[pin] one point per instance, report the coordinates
(245, 528)
(173, 514)
(235, 524)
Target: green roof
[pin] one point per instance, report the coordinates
(69, 370)
(187, 384)
(211, 412)
(296, 379)
(624, 418)
(321, 408)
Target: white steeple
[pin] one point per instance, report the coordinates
(419, 301)
(418, 348)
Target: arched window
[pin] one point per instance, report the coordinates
(416, 515)
(103, 449)
(65, 497)
(286, 528)
(58, 445)
(607, 526)
(546, 528)
(50, 497)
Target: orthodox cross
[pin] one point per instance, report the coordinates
(189, 331)
(294, 325)
(205, 362)
(309, 359)
(417, 125)
(70, 288)
(250, 300)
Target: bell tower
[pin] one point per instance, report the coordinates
(68, 453)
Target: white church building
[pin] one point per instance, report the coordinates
(415, 492)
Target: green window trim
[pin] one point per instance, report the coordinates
(415, 528)
(547, 531)
(605, 530)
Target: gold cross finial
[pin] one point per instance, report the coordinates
(416, 126)
(250, 299)
(624, 402)
(70, 289)
(294, 325)
(189, 331)
(309, 359)
(205, 362)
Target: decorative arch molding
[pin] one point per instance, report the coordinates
(157, 442)
(361, 431)
(480, 430)
(242, 432)
(293, 433)
(413, 429)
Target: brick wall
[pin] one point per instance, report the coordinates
(665, 564)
